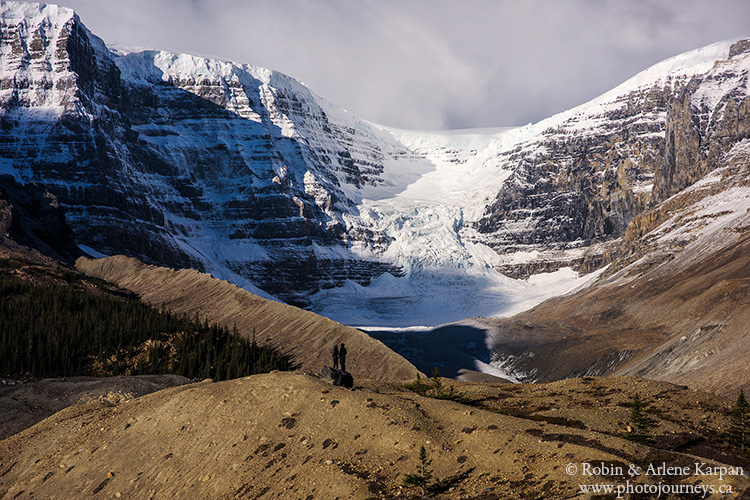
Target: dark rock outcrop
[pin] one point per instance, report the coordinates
(32, 217)
(337, 377)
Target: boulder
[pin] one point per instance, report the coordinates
(337, 377)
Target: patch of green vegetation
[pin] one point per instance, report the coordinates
(451, 394)
(418, 386)
(434, 388)
(58, 330)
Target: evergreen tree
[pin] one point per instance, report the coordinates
(437, 383)
(423, 474)
(640, 423)
(739, 427)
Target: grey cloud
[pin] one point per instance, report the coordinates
(431, 64)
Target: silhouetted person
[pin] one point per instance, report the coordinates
(342, 357)
(336, 357)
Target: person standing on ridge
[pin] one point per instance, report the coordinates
(336, 356)
(342, 357)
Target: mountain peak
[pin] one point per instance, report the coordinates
(35, 13)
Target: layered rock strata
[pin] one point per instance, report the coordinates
(583, 179)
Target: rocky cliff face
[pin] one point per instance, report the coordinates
(185, 161)
(704, 121)
(32, 217)
(61, 101)
(256, 175)
(582, 180)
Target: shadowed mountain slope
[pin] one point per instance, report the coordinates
(32, 223)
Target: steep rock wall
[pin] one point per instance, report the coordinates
(184, 161)
(583, 180)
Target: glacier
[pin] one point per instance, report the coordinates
(448, 277)
(451, 269)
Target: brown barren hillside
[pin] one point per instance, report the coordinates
(307, 337)
(294, 436)
(687, 325)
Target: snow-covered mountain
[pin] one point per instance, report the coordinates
(539, 201)
(185, 161)
(246, 173)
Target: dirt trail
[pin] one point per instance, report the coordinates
(307, 337)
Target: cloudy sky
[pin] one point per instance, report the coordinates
(431, 64)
